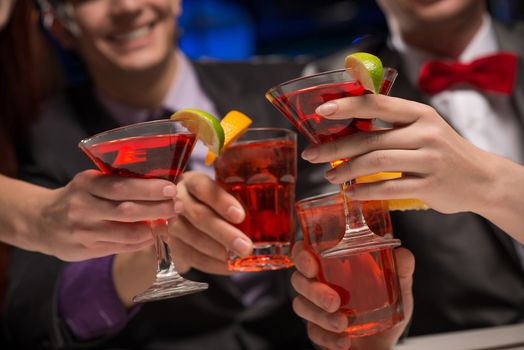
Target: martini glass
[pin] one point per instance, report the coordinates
(297, 100)
(149, 150)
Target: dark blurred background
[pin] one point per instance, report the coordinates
(239, 29)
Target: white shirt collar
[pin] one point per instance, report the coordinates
(483, 43)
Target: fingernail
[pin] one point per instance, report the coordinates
(327, 301)
(179, 207)
(310, 154)
(327, 109)
(169, 191)
(235, 214)
(241, 246)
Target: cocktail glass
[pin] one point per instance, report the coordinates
(298, 99)
(260, 169)
(365, 277)
(156, 149)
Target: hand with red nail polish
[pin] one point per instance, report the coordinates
(318, 304)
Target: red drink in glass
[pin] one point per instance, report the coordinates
(302, 104)
(261, 174)
(157, 156)
(365, 278)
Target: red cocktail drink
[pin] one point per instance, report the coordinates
(365, 277)
(259, 169)
(157, 156)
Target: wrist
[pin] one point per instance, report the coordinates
(133, 273)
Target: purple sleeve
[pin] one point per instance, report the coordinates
(87, 299)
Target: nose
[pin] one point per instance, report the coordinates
(119, 7)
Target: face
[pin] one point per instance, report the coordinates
(6, 6)
(129, 35)
(418, 13)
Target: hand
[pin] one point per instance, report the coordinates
(439, 167)
(204, 233)
(318, 303)
(97, 215)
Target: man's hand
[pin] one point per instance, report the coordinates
(318, 304)
(97, 215)
(204, 233)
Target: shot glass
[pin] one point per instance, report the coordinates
(260, 169)
(365, 276)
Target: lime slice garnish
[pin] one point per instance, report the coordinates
(366, 68)
(206, 127)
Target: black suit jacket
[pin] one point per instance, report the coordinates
(214, 319)
(467, 274)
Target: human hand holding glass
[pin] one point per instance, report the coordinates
(298, 100)
(319, 304)
(157, 149)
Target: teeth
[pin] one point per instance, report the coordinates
(135, 34)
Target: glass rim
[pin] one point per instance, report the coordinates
(87, 140)
(316, 198)
(311, 76)
(285, 130)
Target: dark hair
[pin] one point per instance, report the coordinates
(18, 93)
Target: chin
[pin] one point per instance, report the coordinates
(141, 61)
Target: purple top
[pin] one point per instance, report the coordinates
(87, 299)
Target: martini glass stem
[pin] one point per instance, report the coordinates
(355, 221)
(165, 265)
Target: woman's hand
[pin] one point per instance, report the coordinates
(439, 166)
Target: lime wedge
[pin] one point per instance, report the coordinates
(206, 127)
(366, 68)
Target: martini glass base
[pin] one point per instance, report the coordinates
(169, 284)
(354, 240)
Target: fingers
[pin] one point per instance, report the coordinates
(304, 261)
(204, 217)
(115, 232)
(405, 187)
(407, 162)
(328, 340)
(194, 258)
(120, 188)
(208, 191)
(320, 295)
(406, 138)
(191, 236)
(405, 263)
(390, 109)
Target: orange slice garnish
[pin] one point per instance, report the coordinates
(394, 204)
(234, 125)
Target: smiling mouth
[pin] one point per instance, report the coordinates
(134, 34)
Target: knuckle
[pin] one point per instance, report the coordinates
(127, 209)
(380, 159)
(199, 212)
(372, 139)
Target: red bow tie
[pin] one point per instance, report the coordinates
(494, 73)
